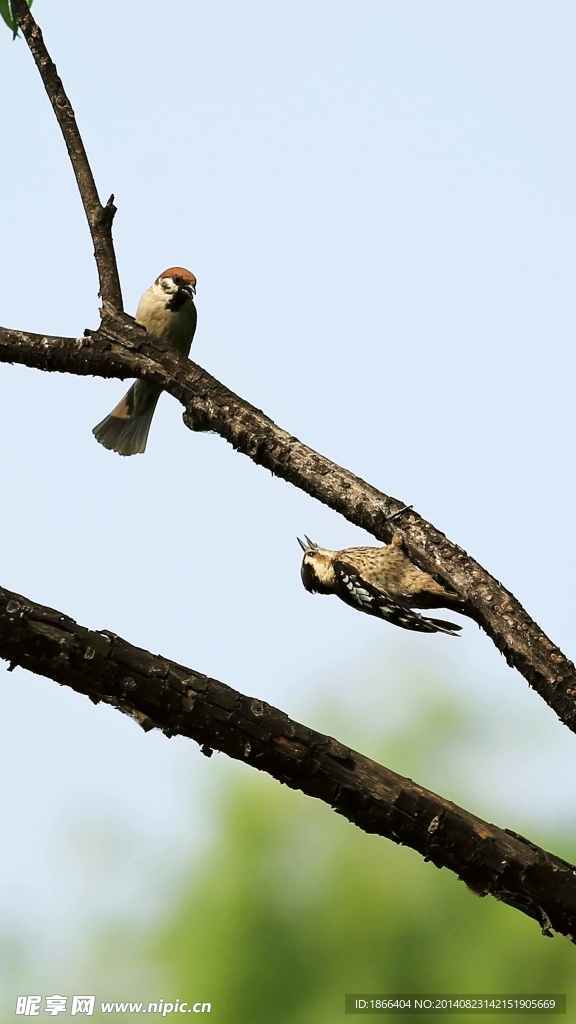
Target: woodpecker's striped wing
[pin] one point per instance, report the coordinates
(364, 596)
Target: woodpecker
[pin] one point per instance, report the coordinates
(379, 581)
(167, 310)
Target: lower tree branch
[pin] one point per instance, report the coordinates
(181, 701)
(122, 349)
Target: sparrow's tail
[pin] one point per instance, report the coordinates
(125, 430)
(442, 626)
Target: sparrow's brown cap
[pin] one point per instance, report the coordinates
(178, 274)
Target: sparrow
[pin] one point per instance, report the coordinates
(380, 581)
(167, 310)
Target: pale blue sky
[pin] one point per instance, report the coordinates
(378, 201)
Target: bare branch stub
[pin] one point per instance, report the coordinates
(99, 217)
(182, 701)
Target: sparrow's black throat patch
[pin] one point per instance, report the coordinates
(179, 299)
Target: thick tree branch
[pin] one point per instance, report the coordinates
(181, 701)
(99, 217)
(121, 349)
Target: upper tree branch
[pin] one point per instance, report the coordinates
(180, 700)
(122, 349)
(99, 217)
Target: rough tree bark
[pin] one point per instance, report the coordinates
(181, 701)
(177, 699)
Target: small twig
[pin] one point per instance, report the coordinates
(398, 512)
(182, 701)
(99, 217)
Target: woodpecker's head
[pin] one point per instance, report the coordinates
(317, 570)
(176, 286)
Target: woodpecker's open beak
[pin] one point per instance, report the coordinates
(309, 546)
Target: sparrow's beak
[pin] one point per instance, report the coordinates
(302, 544)
(190, 289)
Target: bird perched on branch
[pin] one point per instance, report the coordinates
(167, 310)
(379, 581)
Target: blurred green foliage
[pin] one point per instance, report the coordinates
(292, 906)
(282, 906)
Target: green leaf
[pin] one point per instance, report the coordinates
(6, 14)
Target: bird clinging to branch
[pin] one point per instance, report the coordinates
(380, 581)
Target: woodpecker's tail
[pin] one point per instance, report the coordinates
(125, 430)
(441, 626)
